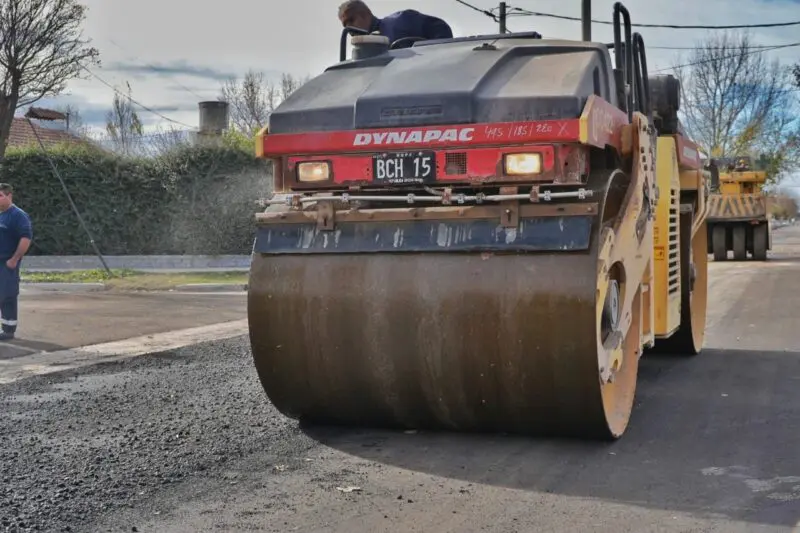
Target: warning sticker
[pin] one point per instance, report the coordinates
(660, 255)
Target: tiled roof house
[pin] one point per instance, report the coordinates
(22, 131)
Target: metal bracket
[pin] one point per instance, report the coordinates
(326, 216)
(447, 196)
(510, 215)
(646, 213)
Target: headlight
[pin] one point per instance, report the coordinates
(313, 171)
(521, 164)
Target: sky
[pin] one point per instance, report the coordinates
(175, 53)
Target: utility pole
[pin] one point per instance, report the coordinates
(586, 19)
(502, 17)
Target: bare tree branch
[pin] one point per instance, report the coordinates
(736, 102)
(253, 99)
(123, 124)
(41, 49)
(166, 140)
(75, 122)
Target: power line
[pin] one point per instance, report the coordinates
(755, 49)
(764, 47)
(704, 47)
(479, 10)
(524, 12)
(501, 18)
(104, 82)
(527, 13)
(738, 54)
(69, 197)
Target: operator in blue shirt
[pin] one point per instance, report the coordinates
(407, 23)
(16, 234)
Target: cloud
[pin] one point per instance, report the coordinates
(170, 69)
(177, 60)
(194, 88)
(93, 114)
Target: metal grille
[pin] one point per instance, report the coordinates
(455, 163)
(674, 276)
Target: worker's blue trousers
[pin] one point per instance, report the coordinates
(9, 295)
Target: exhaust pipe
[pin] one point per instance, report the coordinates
(586, 19)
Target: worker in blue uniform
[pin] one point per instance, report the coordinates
(406, 23)
(16, 233)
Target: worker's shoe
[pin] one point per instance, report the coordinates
(6, 336)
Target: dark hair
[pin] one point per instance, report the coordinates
(6, 188)
(353, 5)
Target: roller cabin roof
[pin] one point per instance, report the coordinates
(480, 79)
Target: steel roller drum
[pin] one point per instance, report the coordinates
(466, 339)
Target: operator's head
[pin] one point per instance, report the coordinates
(356, 14)
(6, 196)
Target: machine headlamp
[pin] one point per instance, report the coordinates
(311, 171)
(522, 164)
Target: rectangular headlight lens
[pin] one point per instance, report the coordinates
(521, 164)
(313, 171)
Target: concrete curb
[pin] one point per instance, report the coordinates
(211, 287)
(145, 263)
(95, 287)
(42, 363)
(65, 287)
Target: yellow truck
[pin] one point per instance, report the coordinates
(738, 218)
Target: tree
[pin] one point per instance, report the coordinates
(783, 205)
(253, 99)
(165, 140)
(40, 50)
(123, 124)
(75, 122)
(735, 102)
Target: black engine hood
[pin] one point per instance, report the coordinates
(456, 82)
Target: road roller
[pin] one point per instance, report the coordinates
(738, 213)
(477, 234)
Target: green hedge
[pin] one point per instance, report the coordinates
(190, 200)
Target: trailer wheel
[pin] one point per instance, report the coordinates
(760, 237)
(739, 243)
(718, 241)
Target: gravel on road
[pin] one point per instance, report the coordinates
(82, 443)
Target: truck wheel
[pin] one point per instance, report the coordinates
(760, 237)
(739, 243)
(718, 241)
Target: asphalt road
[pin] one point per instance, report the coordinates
(185, 441)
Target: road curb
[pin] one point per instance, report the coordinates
(210, 287)
(96, 287)
(50, 362)
(48, 263)
(63, 287)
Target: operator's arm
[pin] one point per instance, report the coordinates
(436, 28)
(25, 232)
(22, 249)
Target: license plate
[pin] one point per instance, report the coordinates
(404, 167)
